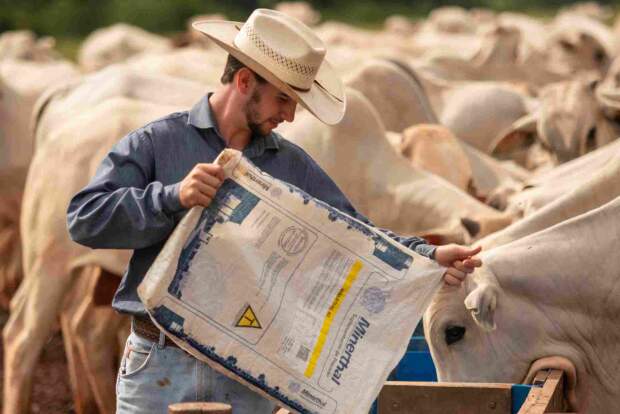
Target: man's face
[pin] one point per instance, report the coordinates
(268, 107)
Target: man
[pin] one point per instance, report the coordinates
(152, 177)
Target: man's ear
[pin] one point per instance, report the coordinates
(244, 81)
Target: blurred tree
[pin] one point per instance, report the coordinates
(66, 18)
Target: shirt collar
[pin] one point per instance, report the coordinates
(201, 116)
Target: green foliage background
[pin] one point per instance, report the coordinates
(77, 18)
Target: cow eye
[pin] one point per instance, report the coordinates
(454, 334)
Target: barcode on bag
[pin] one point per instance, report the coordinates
(303, 353)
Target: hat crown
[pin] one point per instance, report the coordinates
(284, 44)
(287, 54)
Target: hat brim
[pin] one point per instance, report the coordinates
(325, 99)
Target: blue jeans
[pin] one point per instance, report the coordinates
(153, 376)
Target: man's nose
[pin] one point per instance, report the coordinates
(288, 111)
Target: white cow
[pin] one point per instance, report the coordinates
(450, 19)
(60, 104)
(570, 121)
(579, 43)
(70, 97)
(21, 84)
(399, 25)
(520, 49)
(503, 53)
(382, 184)
(191, 63)
(608, 91)
(52, 263)
(397, 94)
(116, 43)
(23, 45)
(301, 10)
(600, 187)
(477, 112)
(436, 149)
(11, 192)
(541, 189)
(548, 300)
(76, 137)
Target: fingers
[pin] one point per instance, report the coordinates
(206, 189)
(455, 273)
(462, 266)
(214, 170)
(206, 178)
(466, 252)
(451, 280)
(446, 255)
(202, 200)
(195, 196)
(472, 262)
(200, 185)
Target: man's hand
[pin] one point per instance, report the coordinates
(459, 260)
(199, 186)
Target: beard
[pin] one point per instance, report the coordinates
(252, 116)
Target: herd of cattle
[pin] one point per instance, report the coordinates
(470, 127)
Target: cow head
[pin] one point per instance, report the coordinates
(568, 123)
(480, 333)
(569, 119)
(578, 43)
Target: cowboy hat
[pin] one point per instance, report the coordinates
(287, 54)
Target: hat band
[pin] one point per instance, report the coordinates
(297, 74)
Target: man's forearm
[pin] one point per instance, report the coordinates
(127, 218)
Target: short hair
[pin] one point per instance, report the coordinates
(232, 66)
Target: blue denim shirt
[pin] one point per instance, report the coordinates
(132, 202)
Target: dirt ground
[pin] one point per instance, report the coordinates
(51, 393)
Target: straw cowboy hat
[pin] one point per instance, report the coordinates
(286, 53)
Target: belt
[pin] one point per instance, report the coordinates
(144, 328)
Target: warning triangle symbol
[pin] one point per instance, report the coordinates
(248, 319)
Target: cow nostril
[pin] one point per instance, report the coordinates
(472, 226)
(591, 140)
(454, 334)
(569, 47)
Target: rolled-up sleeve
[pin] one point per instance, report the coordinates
(417, 244)
(123, 207)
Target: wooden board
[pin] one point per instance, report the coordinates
(546, 399)
(199, 408)
(399, 397)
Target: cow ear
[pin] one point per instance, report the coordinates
(481, 302)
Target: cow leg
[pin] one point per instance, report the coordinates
(34, 311)
(12, 183)
(94, 329)
(83, 395)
